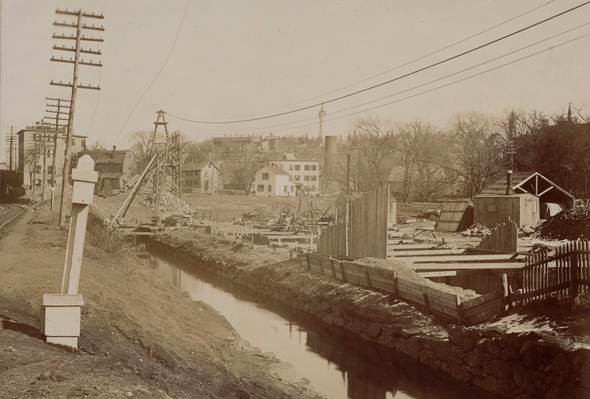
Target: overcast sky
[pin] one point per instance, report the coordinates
(227, 60)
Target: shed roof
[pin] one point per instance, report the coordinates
(108, 156)
(455, 216)
(532, 183)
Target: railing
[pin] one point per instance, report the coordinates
(567, 273)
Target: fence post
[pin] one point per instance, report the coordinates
(574, 273)
(308, 262)
(343, 272)
(367, 278)
(505, 291)
(459, 310)
(395, 290)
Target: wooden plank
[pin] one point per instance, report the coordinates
(492, 305)
(462, 258)
(496, 267)
(481, 299)
(411, 247)
(445, 273)
(431, 252)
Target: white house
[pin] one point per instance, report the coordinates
(272, 181)
(305, 174)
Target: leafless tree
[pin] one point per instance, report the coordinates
(476, 155)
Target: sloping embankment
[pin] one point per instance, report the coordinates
(510, 365)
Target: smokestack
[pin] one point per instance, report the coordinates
(509, 190)
(114, 148)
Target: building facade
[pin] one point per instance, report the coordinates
(304, 174)
(272, 181)
(202, 177)
(38, 153)
(115, 168)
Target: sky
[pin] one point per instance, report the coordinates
(222, 61)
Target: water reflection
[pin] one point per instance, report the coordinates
(338, 365)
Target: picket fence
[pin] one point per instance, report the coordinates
(567, 273)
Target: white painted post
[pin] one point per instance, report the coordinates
(84, 178)
(60, 321)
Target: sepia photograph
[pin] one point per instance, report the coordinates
(310, 199)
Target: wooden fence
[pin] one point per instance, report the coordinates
(567, 273)
(441, 303)
(503, 238)
(364, 232)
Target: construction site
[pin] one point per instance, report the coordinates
(190, 227)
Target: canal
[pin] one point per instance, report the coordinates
(338, 365)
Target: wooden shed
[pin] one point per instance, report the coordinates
(536, 184)
(523, 209)
(344, 199)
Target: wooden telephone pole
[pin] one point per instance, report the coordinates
(77, 49)
(58, 109)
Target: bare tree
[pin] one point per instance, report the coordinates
(476, 154)
(375, 146)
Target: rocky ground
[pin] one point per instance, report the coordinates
(140, 337)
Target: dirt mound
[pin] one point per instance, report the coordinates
(569, 224)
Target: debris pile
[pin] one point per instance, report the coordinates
(476, 230)
(569, 224)
(168, 203)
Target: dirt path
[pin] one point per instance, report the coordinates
(140, 337)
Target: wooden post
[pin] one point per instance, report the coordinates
(84, 178)
(343, 272)
(574, 273)
(332, 265)
(367, 277)
(426, 304)
(505, 290)
(308, 262)
(459, 310)
(395, 290)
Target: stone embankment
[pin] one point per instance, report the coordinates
(509, 365)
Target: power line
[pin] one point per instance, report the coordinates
(429, 90)
(391, 80)
(157, 74)
(413, 61)
(423, 84)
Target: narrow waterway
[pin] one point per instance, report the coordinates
(337, 366)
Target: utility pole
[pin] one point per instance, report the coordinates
(61, 109)
(11, 145)
(77, 49)
(157, 188)
(44, 174)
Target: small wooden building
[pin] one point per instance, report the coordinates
(455, 216)
(523, 209)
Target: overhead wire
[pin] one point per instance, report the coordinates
(420, 85)
(435, 88)
(157, 74)
(412, 61)
(390, 80)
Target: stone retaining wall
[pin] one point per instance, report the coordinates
(510, 365)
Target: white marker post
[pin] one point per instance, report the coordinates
(61, 312)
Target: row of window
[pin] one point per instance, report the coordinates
(194, 173)
(305, 167)
(285, 188)
(266, 176)
(38, 169)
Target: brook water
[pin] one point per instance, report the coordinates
(338, 366)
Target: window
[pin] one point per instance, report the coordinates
(297, 177)
(285, 189)
(269, 188)
(73, 141)
(306, 178)
(306, 167)
(261, 188)
(314, 178)
(290, 167)
(83, 142)
(49, 153)
(492, 208)
(265, 176)
(314, 167)
(297, 167)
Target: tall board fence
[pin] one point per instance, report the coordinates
(503, 238)
(364, 231)
(567, 273)
(443, 304)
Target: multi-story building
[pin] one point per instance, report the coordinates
(200, 177)
(115, 168)
(36, 145)
(305, 174)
